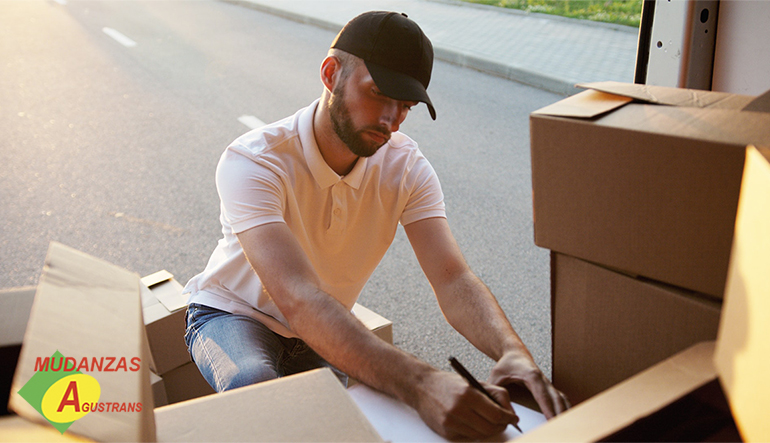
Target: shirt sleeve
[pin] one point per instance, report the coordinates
(251, 193)
(426, 200)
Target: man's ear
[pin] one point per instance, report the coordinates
(331, 68)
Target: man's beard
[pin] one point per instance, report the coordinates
(343, 126)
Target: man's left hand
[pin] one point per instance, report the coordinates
(519, 368)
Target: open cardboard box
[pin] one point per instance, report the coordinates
(644, 179)
(646, 407)
(88, 313)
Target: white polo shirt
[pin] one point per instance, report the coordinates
(344, 224)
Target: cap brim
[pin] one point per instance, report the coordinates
(399, 86)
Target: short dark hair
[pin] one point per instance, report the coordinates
(348, 61)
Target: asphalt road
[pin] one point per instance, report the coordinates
(111, 148)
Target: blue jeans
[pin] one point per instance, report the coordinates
(232, 351)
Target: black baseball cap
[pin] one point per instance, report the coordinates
(396, 52)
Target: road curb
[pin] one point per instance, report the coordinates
(518, 74)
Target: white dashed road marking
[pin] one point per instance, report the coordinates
(251, 121)
(120, 38)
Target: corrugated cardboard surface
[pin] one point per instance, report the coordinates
(743, 350)
(648, 189)
(311, 406)
(85, 307)
(740, 359)
(608, 326)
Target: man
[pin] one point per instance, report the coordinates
(310, 205)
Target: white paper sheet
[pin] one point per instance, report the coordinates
(397, 422)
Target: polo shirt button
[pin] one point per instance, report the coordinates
(337, 211)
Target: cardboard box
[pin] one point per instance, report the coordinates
(88, 309)
(310, 406)
(643, 179)
(607, 326)
(163, 309)
(740, 362)
(15, 305)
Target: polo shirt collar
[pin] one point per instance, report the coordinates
(322, 173)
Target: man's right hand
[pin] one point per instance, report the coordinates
(455, 410)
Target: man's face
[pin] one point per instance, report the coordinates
(362, 117)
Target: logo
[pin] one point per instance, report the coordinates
(62, 393)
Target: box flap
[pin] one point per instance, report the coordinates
(165, 289)
(635, 398)
(310, 406)
(87, 311)
(759, 104)
(170, 295)
(662, 95)
(586, 104)
(743, 349)
(153, 279)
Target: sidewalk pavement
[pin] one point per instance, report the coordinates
(544, 51)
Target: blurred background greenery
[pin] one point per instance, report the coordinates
(622, 12)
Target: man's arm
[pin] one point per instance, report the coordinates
(472, 310)
(444, 400)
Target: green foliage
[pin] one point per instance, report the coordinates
(622, 12)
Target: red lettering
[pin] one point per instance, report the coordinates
(123, 407)
(72, 388)
(83, 364)
(61, 361)
(96, 364)
(42, 364)
(122, 364)
(67, 362)
(138, 407)
(135, 364)
(110, 361)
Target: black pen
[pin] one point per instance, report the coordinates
(457, 366)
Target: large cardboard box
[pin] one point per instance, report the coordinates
(643, 179)
(646, 407)
(607, 326)
(89, 311)
(86, 316)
